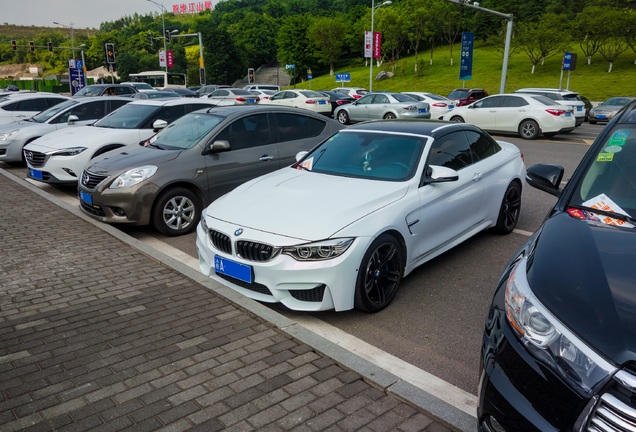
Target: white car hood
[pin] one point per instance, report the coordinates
(86, 136)
(304, 205)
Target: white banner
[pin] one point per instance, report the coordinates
(162, 58)
(368, 44)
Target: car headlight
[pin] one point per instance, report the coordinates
(133, 176)
(71, 151)
(6, 135)
(548, 339)
(319, 251)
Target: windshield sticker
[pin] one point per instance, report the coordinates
(603, 202)
(619, 138)
(605, 157)
(613, 149)
(306, 164)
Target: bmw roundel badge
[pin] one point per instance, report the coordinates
(238, 232)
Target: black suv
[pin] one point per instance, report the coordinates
(467, 96)
(559, 345)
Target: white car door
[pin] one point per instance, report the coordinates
(448, 210)
(512, 110)
(483, 113)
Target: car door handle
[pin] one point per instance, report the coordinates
(477, 176)
(265, 158)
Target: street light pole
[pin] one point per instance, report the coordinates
(201, 63)
(70, 26)
(163, 27)
(373, 9)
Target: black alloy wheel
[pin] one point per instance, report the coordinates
(379, 275)
(509, 210)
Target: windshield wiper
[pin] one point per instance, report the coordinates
(611, 214)
(149, 144)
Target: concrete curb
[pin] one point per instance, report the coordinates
(437, 408)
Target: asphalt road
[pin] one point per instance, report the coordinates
(436, 320)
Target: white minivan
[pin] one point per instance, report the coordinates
(262, 87)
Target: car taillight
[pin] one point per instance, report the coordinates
(410, 108)
(342, 101)
(311, 101)
(240, 99)
(357, 96)
(555, 112)
(440, 104)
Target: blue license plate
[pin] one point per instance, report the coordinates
(251, 100)
(601, 116)
(568, 113)
(35, 174)
(86, 197)
(322, 102)
(422, 110)
(450, 107)
(233, 269)
(579, 108)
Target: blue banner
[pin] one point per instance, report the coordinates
(343, 77)
(77, 80)
(466, 63)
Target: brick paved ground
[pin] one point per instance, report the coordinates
(96, 335)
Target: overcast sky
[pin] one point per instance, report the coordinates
(82, 13)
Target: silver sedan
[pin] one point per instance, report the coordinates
(380, 105)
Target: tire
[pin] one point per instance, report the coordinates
(529, 129)
(176, 212)
(457, 119)
(342, 117)
(550, 134)
(389, 116)
(509, 210)
(379, 275)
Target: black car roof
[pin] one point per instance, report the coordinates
(420, 127)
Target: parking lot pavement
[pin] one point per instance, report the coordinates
(99, 331)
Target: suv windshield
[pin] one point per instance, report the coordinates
(458, 94)
(51, 112)
(90, 91)
(185, 132)
(128, 117)
(610, 181)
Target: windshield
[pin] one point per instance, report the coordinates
(617, 101)
(90, 91)
(186, 132)
(610, 181)
(128, 117)
(51, 112)
(458, 94)
(370, 155)
(403, 97)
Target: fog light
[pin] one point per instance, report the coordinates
(70, 172)
(118, 211)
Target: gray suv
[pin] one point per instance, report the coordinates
(170, 178)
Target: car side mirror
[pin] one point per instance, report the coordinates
(439, 174)
(545, 177)
(158, 125)
(217, 147)
(301, 155)
(72, 119)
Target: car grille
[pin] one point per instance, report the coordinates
(36, 159)
(94, 209)
(90, 180)
(253, 251)
(220, 241)
(616, 411)
(312, 295)
(256, 287)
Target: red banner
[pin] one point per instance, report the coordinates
(377, 44)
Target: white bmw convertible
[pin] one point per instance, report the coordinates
(341, 228)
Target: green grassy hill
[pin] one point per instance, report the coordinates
(593, 80)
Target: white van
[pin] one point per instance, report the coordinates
(262, 87)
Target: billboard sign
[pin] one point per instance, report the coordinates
(466, 62)
(377, 44)
(368, 41)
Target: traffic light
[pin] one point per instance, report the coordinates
(51, 46)
(250, 76)
(14, 46)
(110, 53)
(167, 36)
(32, 46)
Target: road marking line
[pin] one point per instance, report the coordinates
(522, 232)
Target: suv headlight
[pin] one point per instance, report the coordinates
(6, 135)
(548, 339)
(319, 251)
(71, 151)
(133, 176)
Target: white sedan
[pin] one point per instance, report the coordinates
(307, 99)
(341, 228)
(438, 105)
(525, 114)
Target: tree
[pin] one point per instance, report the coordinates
(293, 44)
(221, 53)
(326, 35)
(417, 27)
(588, 30)
(615, 41)
(543, 39)
(255, 38)
(391, 23)
(630, 29)
(450, 18)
